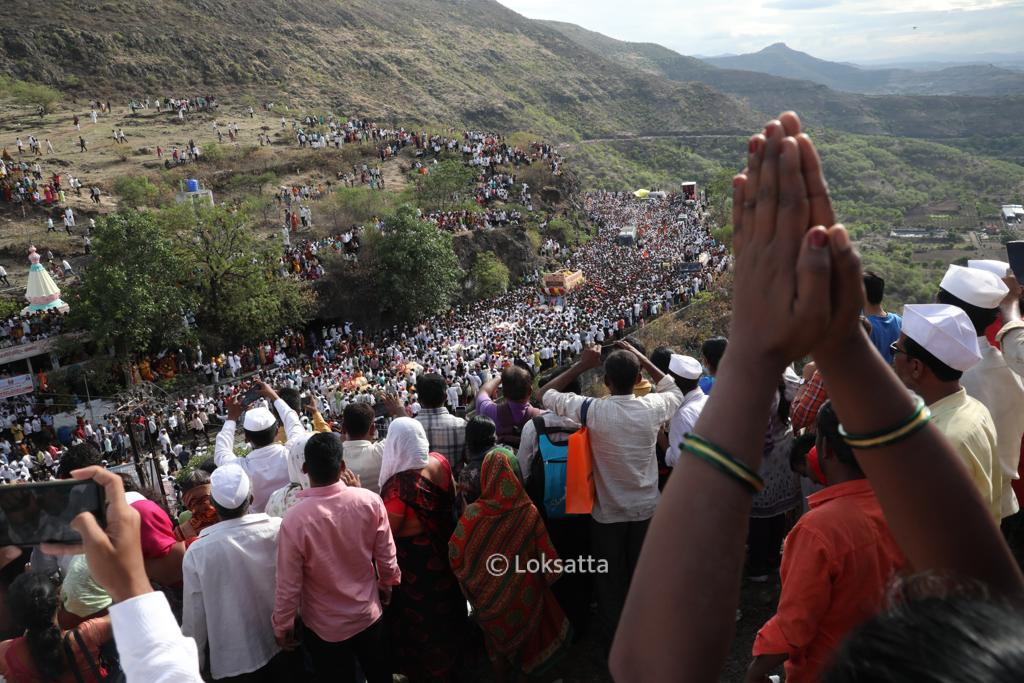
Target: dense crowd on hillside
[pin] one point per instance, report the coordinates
(405, 493)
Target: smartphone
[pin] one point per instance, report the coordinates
(251, 396)
(31, 514)
(1015, 255)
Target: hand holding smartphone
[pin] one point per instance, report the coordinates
(33, 514)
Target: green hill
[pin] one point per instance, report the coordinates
(433, 61)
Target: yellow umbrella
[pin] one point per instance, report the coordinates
(641, 194)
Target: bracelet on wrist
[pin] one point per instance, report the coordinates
(893, 435)
(722, 461)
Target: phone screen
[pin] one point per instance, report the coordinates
(31, 514)
(251, 396)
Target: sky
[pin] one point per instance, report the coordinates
(839, 30)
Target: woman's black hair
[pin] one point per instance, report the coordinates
(939, 638)
(33, 600)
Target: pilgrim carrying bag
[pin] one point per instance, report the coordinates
(579, 471)
(548, 470)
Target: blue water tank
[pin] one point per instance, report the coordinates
(192, 185)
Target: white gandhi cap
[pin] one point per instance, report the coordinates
(229, 486)
(258, 419)
(945, 332)
(686, 367)
(998, 268)
(974, 286)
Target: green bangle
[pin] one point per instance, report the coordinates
(722, 461)
(901, 434)
(919, 407)
(701, 440)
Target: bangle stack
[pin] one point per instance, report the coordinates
(725, 463)
(889, 437)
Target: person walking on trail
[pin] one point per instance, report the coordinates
(81, 144)
(3, 277)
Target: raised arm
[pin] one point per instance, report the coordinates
(686, 624)
(224, 444)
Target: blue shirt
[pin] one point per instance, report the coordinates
(884, 331)
(705, 383)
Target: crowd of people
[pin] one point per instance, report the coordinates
(31, 327)
(337, 550)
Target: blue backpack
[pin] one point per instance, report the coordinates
(548, 470)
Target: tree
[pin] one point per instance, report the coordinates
(31, 94)
(405, 274)
(418, 272)
(137, 191)
(133, 296)
(447, 185)
(488, 275)
(240, 296)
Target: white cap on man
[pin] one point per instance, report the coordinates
(686, 367)
(229, 486)
(945, 332)
(998, 268)
(974, 286)
(258, 419)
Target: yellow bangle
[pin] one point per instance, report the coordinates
(895, 436)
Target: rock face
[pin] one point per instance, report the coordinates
(511, 245)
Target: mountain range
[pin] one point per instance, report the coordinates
(475, 63)
(961, 79)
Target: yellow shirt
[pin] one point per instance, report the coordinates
(967, 424)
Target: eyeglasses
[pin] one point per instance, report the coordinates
(895, 349)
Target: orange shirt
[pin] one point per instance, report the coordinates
(836, 564)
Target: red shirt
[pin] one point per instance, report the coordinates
(836, 564)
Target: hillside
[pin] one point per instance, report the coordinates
(909, 116)
(968, 79)
(430, 61)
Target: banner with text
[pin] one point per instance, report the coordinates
(16, 386)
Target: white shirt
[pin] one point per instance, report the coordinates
(364, 458)
(150, 644)
(623, 433)
(995, 384)
(683, 422)
(230, 575)
(267, 467)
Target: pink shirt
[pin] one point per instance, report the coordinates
(325, 550)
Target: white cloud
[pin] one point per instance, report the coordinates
(832, 29)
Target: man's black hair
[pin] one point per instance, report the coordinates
(621, 369)
(828, 429)
(575, 387)
(661, 357)
(938, 638)
(235, 513)
(324, 455)
(207, 465)
(981, 318)
(194, 479)
(516, 383)
(943, 372)
(78, 456)
(432, 390)
(262, 438)
(713, 349)
(480, 434)
(801, 447)
(874, 288)
(357, 419)
(292, 398)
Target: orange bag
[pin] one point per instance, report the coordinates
(579, 471)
